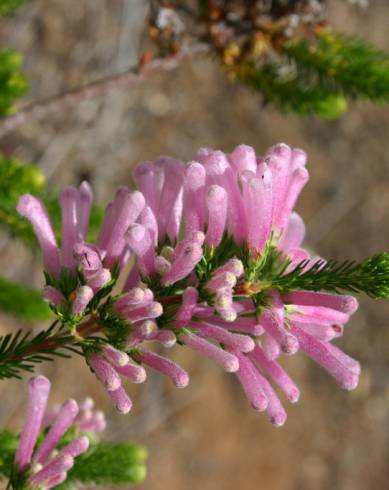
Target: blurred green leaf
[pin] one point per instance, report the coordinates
(293, 93)
(109, 463)
(22, 302)
(8, 6)
(8, 444)
(12, 82)
(343, 63)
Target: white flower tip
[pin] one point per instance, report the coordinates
(282, 149)
(350, 382)
(290, 346)
(231, 365)
(137, 199)
(293, 395)
(229, 315)
(278, 419)
(140, 376)
(182, 380)
(350, 305)
(260, 403)
(147, 328)
(72, 406)
(216, 194)
(237, 267)
(194, 176)
(27, 204)
(40, 383)
(86, 191)
(248, 345)
(136, 233)
(67, 461)
(112, 384)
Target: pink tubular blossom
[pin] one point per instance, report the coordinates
(61, 424)
(55, 481)
(127, 206)
(33, 209)
(258, 201)
(217, 201)
(44, 466)
(58, 465)
(69, 200)
(344, 303)
(270, 347)
(344, 369)
(318, 314)
(187, 307)
(243, 158)
(53, 296)
(294, 233)
(38, 393)
(228, 361)
(115, 356)
(183, 264)
(244, 343)
(84, 209)
(134, 372)
(248, 378)
(83, 295)
(288, 343)
(179, 377)
(120, 399)
(104, 372)
(277, 373)
(194, 197)
(141, 243)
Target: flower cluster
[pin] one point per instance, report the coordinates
(216, 254)
(42, 465)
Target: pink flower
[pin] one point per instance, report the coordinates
(209, 240)
(45, 466)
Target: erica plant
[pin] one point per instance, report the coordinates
(218, 267)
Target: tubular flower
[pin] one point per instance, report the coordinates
(43, 466)
(218, 266)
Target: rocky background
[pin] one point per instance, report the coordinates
(207, 437)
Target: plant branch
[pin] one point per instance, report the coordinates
(131, 77)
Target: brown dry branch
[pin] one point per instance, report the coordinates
(42, 108)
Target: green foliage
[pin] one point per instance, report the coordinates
(292, 92)
(12, 82)
(370, 276)
(8, 445)
(109, 463)
(21, 351)
(343, 64)
(23, 302)
(8, 6)
(106, 463)
(316, 76)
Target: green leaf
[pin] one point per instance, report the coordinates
(293, 93)
(110, 463)
(23, 302)
(21, 351)
(12, 83)
(344, 64)
(370, 276)
(8, 445)
(8, 6)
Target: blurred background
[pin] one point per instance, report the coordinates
(207, 437)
